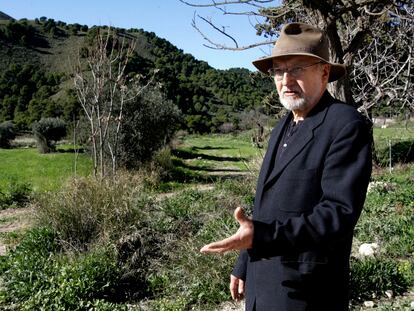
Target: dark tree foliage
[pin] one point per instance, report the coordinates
(208, 98)
(7, 133)
(150, 122)
(18, 32)
(25, 95)
(47, 132)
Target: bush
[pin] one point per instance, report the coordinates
(89, 211)
(15, 194)
(149, 124)
(7, 133)
(37, 275)
(47, 132)
(25, 269)
(180, 276)
(373, 276)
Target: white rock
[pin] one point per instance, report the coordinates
(389, 293)
(368, 249)
(369, 304)
(412, 305)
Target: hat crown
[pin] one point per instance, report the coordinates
(298, 38)
(301, 39)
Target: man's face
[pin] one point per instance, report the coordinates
(300, 90)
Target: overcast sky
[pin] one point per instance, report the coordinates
(169, 19)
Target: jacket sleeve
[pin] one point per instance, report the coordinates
(344, 180)
(240, 267)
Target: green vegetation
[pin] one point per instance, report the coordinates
(7, 134)
(43, 172)
(110, 244)
(35, 83)
(48, 131)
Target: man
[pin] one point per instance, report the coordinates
(311, 188)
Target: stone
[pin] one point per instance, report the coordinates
(368, 249)
(389, 294)
(369, 304)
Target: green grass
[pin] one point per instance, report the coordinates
(383, 136)
(218, 152)
(44, 172)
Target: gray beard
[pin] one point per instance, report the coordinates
(294, 104)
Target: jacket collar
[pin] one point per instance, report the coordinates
(304, 135)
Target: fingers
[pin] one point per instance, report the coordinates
(236, 288)
(239, 215)
(241, 289)
(220, 246)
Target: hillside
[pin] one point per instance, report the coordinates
(4, 16)
(44, 50)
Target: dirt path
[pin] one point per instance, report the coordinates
(13, 220)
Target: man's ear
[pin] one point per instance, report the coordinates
(325, 72)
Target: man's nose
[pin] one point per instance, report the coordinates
(287, 78)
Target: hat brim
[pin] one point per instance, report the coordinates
(265, 63)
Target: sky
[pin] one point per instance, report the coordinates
(168, 19)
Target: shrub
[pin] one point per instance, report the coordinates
(15, 194)
(7, 133)
(149, 124)
(373, 276)
(47, 132)
(37, 275)
(25, 269)
(180, 276)
(89, 211)
(75, 282)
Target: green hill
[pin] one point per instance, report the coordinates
(44, 50)
(4, 16)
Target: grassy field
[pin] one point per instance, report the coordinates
(221, 153)
(43, 172)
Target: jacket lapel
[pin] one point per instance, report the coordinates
(271, 151)
(304, 135)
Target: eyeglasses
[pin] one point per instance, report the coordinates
(295, 72)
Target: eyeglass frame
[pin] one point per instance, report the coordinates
(290, 71)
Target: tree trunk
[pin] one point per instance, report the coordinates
(341, 90)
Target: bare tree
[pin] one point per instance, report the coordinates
(382, 69)
(103, 88)
(374, 38)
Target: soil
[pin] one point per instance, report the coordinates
(13, 220)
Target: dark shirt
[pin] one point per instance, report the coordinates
(288, 136)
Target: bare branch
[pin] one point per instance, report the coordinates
(218, 46)
(255, 3)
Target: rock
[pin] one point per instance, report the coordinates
(368, 249)
(3, 250)
(412, 305)
(381, 186)
(389, 294)
(369, 304)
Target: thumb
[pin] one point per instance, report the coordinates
(240, 216)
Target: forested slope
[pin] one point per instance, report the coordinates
(37, 56)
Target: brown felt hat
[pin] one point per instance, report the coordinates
(301, 39)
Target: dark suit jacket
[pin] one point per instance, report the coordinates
(305, 211)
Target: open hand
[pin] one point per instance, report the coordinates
(242, 239)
